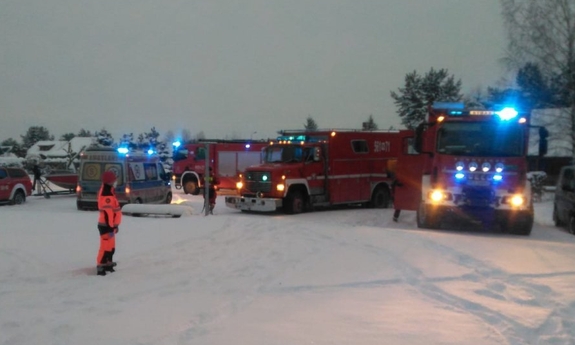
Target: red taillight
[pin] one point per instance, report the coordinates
(78, 189)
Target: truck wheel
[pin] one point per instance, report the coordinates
(556, 219)
(381, 198)
(294, 203)
(191, 187)
(18, 198)
(427, 219)
(521, 225)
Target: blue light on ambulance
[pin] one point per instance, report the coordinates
(176, 144)
(150, 152)
(507, 114)
(497, 177)
(459, 176)
(123, 150)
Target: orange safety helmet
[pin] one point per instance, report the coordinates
(109, 177)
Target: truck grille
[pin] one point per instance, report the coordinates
(258, 181)
(478, 197)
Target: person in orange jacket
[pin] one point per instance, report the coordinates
(108, 223)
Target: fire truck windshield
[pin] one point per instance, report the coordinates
(180, 154)
(287, 154)
(481, 139)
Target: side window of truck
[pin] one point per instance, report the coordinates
(409, 146)
(200, 153)
(359, 146)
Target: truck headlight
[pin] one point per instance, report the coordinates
(436, 195)
(280, 187)
(239, 185)
(517, 200)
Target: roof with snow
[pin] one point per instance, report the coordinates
(58, 149)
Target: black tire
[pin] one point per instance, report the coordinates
(294, 202)
(522, 224)
(138, 201)
(18, 198)
(427, 219)
(381, 198)
(556, 219)
(191, 187)
(571, 225)
(168, 198)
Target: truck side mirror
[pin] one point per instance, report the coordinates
(543, 134)
(418, 144)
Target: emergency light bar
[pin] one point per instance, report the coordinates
(448, 105)
(301, 138)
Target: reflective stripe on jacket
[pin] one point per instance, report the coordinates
(109, 207)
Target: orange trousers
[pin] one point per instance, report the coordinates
(107, 248)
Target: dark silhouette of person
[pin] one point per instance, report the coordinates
(37, 175)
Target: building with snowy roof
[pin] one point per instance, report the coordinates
(59, 154)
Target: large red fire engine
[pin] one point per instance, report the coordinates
(305, 169)
(469, 164)
(227, 159)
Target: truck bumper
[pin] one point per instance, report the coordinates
(253, 204)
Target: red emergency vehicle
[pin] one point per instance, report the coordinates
(467, 164)
(304, 169)
(227, 158)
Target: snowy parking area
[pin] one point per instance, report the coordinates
(347, 276)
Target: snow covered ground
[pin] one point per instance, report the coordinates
(331, 277)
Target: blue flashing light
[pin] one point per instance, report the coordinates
(448, 105)
(506, 114)
(176, 144)
(497, 177)
(150, 152)
(248, 146)
(459, 176)
(456, 112)
(123, 150)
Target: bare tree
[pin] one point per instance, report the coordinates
(543, 32)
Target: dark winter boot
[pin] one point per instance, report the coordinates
(100, 270)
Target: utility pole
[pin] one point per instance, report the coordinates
(207, 181)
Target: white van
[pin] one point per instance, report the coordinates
(141, 177)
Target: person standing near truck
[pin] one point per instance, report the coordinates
(212, 194)
(108, 223)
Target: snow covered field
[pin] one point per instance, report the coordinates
(331, 277)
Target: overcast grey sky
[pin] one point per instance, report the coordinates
(231, 68)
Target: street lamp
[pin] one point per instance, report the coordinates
(251, 135)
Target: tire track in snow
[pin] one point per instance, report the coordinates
(495, 281)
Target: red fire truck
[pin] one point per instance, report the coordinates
(227, 158)
(304, 169)
(467, 164)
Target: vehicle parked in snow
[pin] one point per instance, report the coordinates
(228, 158)
(15, 185)
(141, 177)
(564, 202)
(302, 170)
(468, 164)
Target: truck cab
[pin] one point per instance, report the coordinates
(469, 164)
